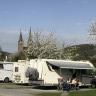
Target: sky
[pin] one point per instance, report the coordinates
(69, 19)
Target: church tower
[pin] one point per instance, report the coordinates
(20, 43)
(29, 43)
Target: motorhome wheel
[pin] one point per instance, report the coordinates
(6, 80)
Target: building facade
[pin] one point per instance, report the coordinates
(21, 47)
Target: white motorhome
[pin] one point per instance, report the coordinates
(51, 70)
(19, 69)
(6, 71)
(45, 75)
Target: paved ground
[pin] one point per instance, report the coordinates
(14, 92)
(18, 90)
(30, 92)
(24, 92)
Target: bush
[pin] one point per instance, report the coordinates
(32, 74)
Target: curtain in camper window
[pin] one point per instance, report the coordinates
(1, 66)
(16, 69)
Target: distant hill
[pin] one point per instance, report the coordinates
(81, 52)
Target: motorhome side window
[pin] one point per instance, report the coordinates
(1, 66)
(16, 69)
(49, 67)
(52, 68)
(55, 67)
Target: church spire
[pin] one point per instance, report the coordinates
(29, 43)
(20, 43)
(30, 35)
(20, 37)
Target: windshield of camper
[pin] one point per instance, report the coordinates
(52, 67)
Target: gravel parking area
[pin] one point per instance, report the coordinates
(14, 92)
(22, 92)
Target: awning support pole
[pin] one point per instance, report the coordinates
(60, 72)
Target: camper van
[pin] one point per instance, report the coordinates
(19, 70)
(49, 71)
(6, 71)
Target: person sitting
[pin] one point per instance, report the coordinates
(69, 80)
(73, 83)
(66, 86)
(77, 84)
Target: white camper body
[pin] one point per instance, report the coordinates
(19, 69)
(6, 71)
(47, 75)
(50, 70)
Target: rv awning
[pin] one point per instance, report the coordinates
(71, 64)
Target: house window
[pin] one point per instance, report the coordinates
(16, 69)
(1, 66)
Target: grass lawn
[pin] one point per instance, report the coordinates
(83, 93)
(48, 94)
(73, 93)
